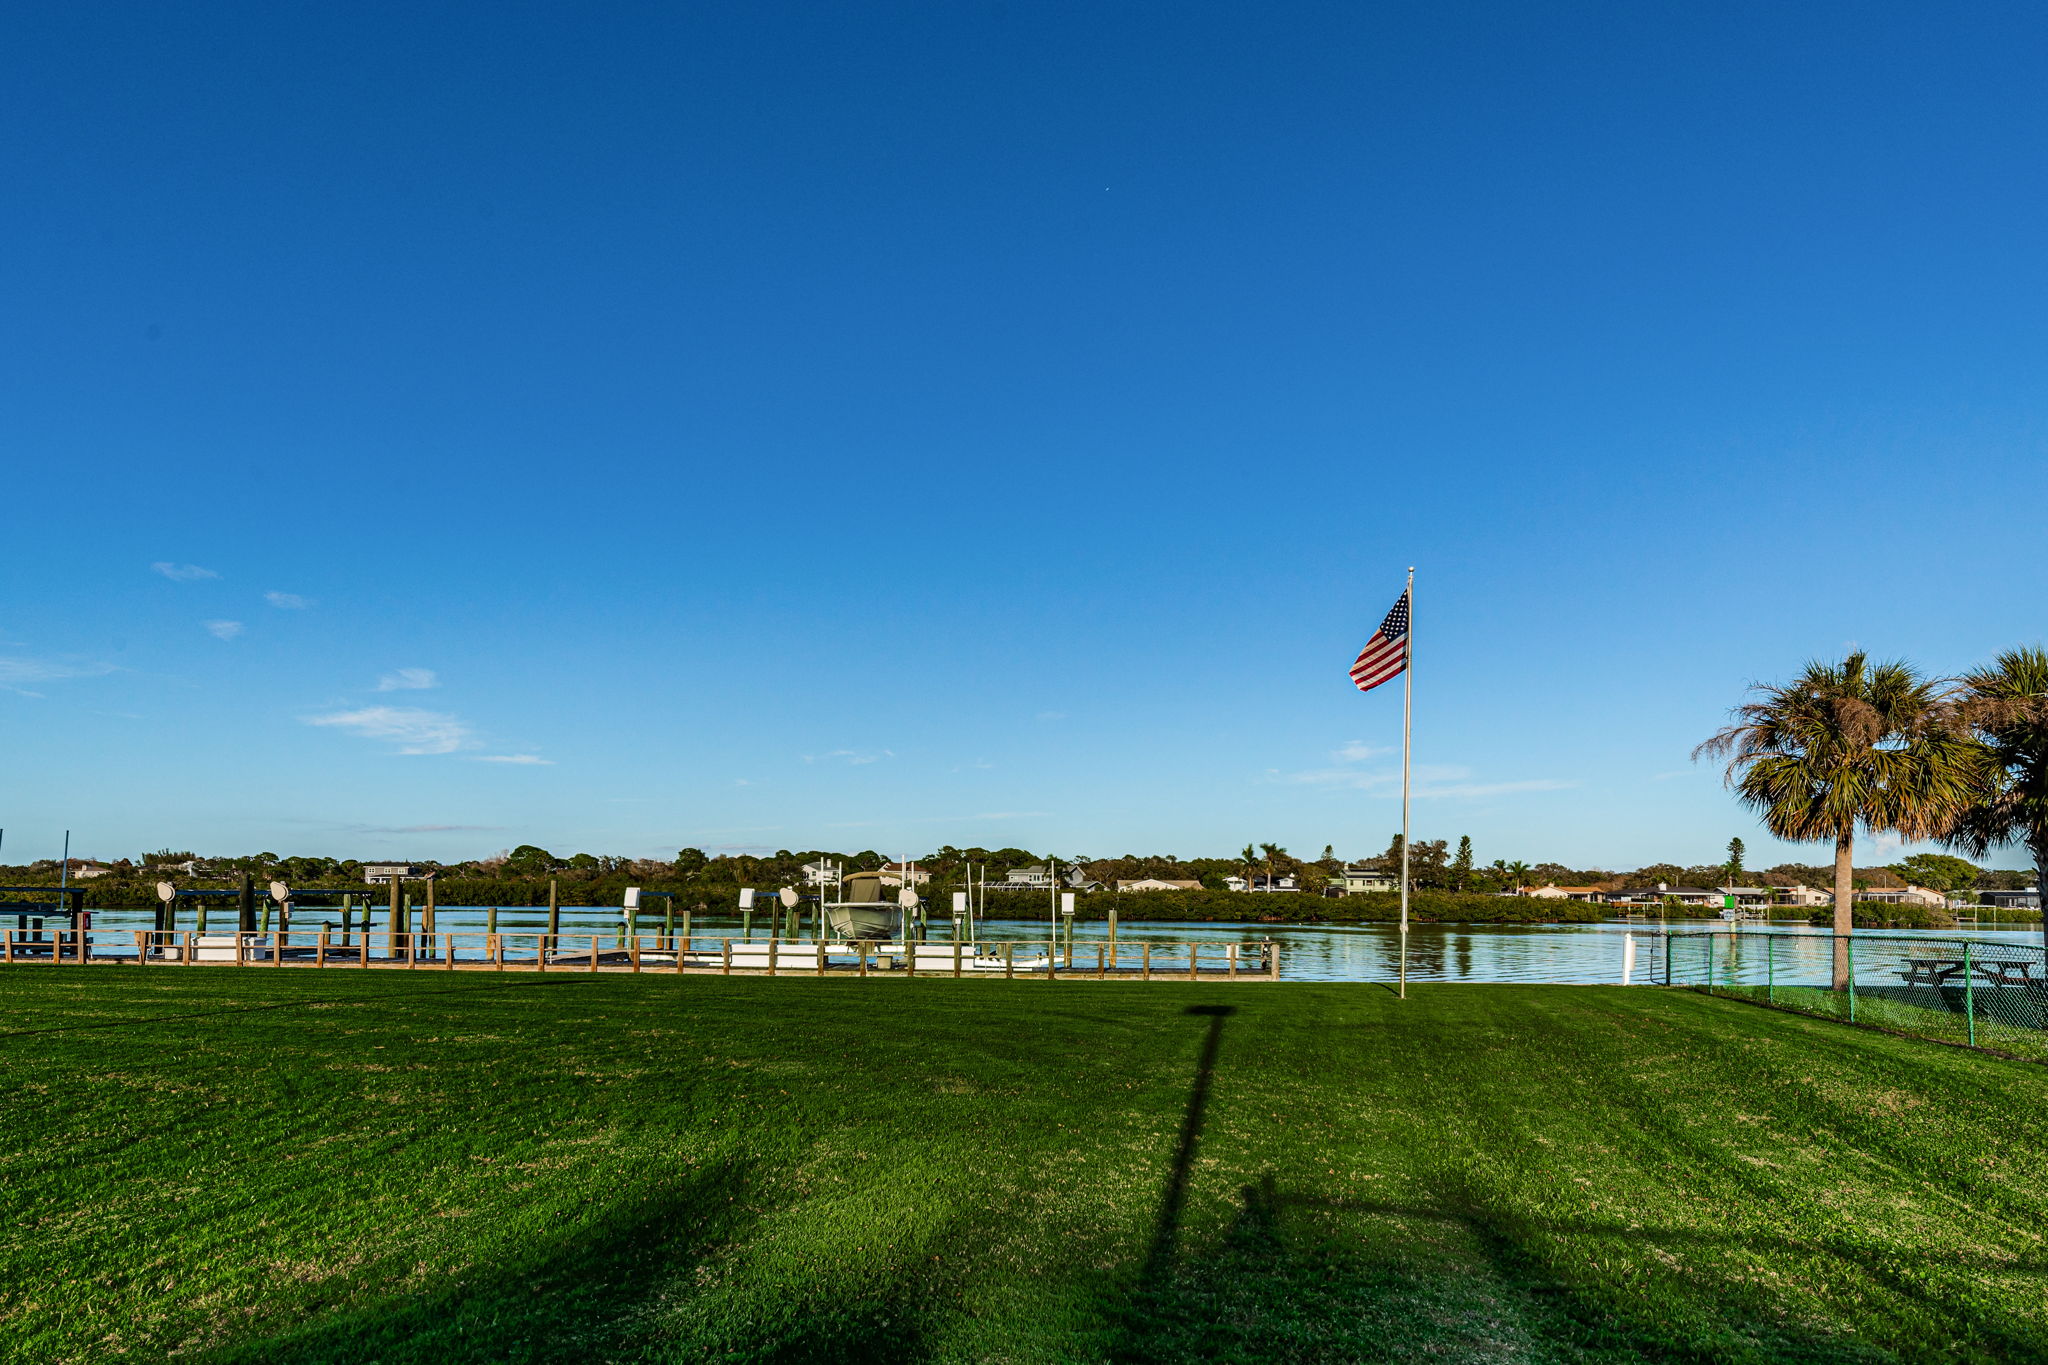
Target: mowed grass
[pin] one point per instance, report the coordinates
(239, 1165)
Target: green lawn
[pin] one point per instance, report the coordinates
(241, 1165)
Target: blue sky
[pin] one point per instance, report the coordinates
(434, 428)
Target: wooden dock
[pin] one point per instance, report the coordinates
(1045, 960)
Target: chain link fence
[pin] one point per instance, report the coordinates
(1968, 991)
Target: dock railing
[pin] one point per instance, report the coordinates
(483, 950)
(1974, 992)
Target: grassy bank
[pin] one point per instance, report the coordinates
(245, 1166)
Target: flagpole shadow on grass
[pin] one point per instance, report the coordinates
(1166, 1230)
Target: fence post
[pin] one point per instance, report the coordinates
(1849, 952)
(1145, 962)
(593, 952)
(1667, 959)
(1009, 960)
(1969, 993)
(1770, 969)
(1193, 948)
(1711, 936)
(725, 958)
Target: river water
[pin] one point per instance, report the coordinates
(1560, 953)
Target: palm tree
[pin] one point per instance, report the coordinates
(1273, 854)
(1850, 746)
(2006, 706)
(1518, 873)
(1251, 865)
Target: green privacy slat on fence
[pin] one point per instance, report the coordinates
(1969, 991)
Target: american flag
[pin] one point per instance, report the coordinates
(1386, 653)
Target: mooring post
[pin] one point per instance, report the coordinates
(246, 904)
(1849, 954)
(554, 913)
(427, 916)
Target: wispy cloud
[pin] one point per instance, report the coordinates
(943, 819)
(1430, 781)
(222, 630)
(420, 829)
(524, 760)
(1358, 751)
(288, 601)
(182, 573)
(414, 731)
(408, 680)
(26, 670)
(854, 756)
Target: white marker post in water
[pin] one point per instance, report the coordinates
(1628, 957)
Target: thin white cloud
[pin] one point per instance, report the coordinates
(1357, 751)
(222, 630)
(1429, 781)
(524, 760)
(182, 573)
(287, 601)
(21, 670)
(943, 819)
(414, 731)
(409, 680)
(854, 756)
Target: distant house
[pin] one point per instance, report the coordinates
(85, 869)
(1037, 877)
(893, 874)
(1747, 897)
(1554, 892)
(1157, 884)
(1262, 883)
(819, 873)
(1804, 897)
(1357, 880)
(2029, 899)
(1660, 893)
(384, 872)
(1904, 895)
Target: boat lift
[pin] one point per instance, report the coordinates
(31, 933)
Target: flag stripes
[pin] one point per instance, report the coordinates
(1386, 654)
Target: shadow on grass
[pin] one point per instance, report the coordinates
(1295, 1278)
(616, 1288)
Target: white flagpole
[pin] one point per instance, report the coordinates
(1407, 716)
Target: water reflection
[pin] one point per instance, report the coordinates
(1560, 953)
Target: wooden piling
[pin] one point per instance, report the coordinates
(554, 913)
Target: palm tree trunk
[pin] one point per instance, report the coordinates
(2041, 893)
(1845, 895)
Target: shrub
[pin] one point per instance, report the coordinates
(1881, 915)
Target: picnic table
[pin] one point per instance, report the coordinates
(1948, 971)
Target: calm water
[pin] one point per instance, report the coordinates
(1565, 953)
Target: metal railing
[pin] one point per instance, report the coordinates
(1953, 990)
(481, 950)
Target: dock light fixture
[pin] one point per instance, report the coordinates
(632, 901)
